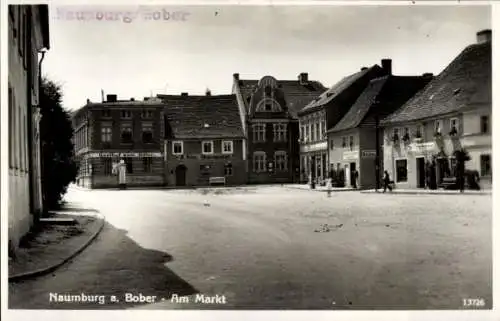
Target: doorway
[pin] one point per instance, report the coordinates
(420, 172)
(353, 175)
(442, 164)
(180, 175)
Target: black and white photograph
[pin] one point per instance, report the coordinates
(329, 157)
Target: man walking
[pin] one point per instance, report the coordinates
(387, 182)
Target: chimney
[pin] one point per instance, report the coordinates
(208, 92)
(428, 75)
(184, 94)
(483, 36)
(88, 101)
(111, 98)
(146, 98)
(303, 78)
(364, 68)
(132, 99)
(236, 76)
(387, 66)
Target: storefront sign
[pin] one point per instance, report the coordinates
(110, 155)
(422, 147)
(350, 155)
(369, 154)
(314, 147)
(215, 156)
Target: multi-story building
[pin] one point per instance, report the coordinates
(453, 112)
(204, 140)
(115, 130)
(268, 109)
(324, 112)
(353, 139)
(28, 38)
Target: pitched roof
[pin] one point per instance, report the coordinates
(336, 89)
(187, 116)
(387, 93)
(465, 81)
(296, 94)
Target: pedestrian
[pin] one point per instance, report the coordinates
(355, 179)
(387, 182)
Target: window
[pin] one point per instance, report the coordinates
(177, 148)
(259, 161)
(126, 114)
(332, 144)
(401, 170)
(126, 133)
(129, 165)
(344, 142)
(106, 113)
(147, 133)
(280, 161)
(146, 164)
(279, 131)
(108, 166)
(318, 131)
(351, 142)
(147, 114)
(268, 106)
(228, 170)
(227, 147)
(259, 132)
(309, 133)
(106, 134)
(406, 136)
(420, 131)
(268, 91)
(302, 132)
(485, 165)
(453, 126)
(485, 124)
(395, 135)
(437, 127)
(314, 137)
(207, 147)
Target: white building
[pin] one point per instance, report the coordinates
(28, 36)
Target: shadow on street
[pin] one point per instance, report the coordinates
(112, 265)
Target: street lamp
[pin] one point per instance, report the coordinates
(313, 172)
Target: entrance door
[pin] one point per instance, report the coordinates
(441, 169)
(353, 177)
(420, 172)
(180, 175)
(347, 175)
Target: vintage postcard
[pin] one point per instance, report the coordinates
(327, 157)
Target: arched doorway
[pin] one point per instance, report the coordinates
(180, 175)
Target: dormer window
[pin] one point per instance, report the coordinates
(268, 106)
(268, 91)
(420, 131)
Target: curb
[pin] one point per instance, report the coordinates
(424, 193)
(323, 190)
(36, 273)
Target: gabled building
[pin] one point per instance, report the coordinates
(268, 109)
(324, 112)
(204, 140)
(453, 112)
(113, 130)
(28, 39)
(353, 139)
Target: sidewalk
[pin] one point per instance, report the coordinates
(319, 188)
(55, 244)
(430, 192)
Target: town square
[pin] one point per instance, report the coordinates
(250, 158)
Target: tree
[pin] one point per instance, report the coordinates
(56, 132)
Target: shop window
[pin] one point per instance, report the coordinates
(147, 164)
(485, 124)
(401, 170)
(129, 165)
(108, 166)
(228, 170)
(485, 165)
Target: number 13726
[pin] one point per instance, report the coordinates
(472, 303)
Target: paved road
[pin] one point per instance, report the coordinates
(269, 248)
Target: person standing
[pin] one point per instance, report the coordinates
(121, 170)
(387, 182)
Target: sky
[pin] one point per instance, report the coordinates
(192, 48)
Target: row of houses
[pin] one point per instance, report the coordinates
(283, 131)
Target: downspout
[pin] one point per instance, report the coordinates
(41, 144)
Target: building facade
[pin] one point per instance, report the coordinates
(28, 37)
(354, 140)
(453, 113)
(323, 113)
(204, 140)
(268, 109)
(115, 130)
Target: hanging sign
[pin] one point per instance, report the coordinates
(110, 155)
